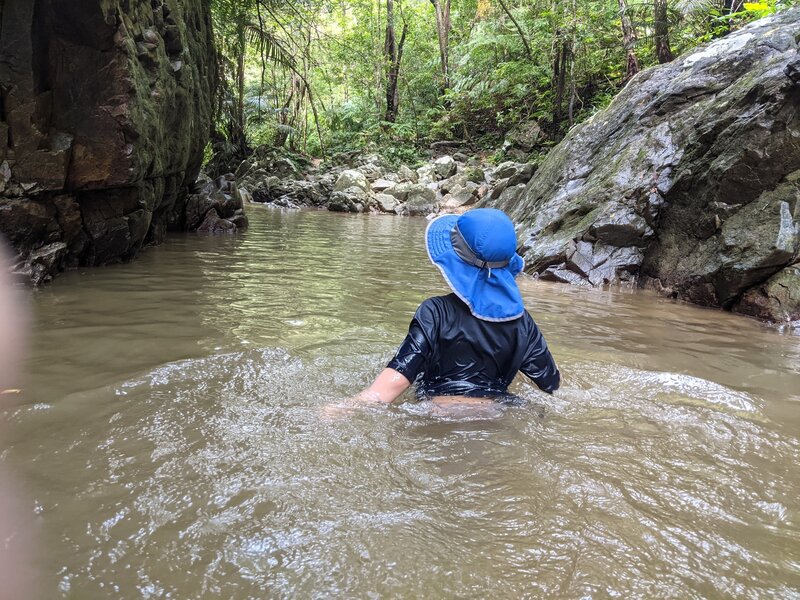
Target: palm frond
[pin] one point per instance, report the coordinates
(269, 46)
(688, 7)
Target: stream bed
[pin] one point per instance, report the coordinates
(170, 443)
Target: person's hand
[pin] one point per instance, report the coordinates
(335, 411)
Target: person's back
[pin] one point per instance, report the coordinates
(470, 343)
(454, 353)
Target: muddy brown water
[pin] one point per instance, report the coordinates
(170, 444)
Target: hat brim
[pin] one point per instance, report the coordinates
(490, 295)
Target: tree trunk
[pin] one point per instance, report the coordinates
(519, 30)
(394, 54)
(661, 30)
(562, 55)
(629, 39)
(390, 58)
(732, 6)
(240, 88)
(442, 9)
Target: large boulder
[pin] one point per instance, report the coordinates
(401, 190)
(351, 178)
(107, 108)
(427, 174)
(687, 182)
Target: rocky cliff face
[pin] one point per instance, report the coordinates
(688, 182)
(105, 109)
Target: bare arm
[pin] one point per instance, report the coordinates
(386, 388)
(383, 391)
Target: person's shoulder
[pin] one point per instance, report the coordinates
(436, 306)
(526, 320)
(434, 303)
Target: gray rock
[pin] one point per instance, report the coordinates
(404, 173)
(463, 195)
(427, 174)
(496, 190)
(688, 182)
(352, 199)
(507, 169)
(458, 180)
(421, 201)
(381, 185)
(523, 174)
(561, 274)
(524, 137)
(386, 203)
(619, 225)
(401, 190)
(445, 167)
(351, 178)
(43, 263)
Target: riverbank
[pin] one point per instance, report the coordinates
(368, 183)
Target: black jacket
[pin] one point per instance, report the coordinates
(453, 353)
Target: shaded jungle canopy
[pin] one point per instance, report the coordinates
(322, 76)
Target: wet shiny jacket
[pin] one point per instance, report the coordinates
(450, 352)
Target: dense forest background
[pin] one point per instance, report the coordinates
(322, 76)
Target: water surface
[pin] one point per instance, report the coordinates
(170, 441)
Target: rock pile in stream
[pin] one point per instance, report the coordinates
(356, 183)
(106, 110)
(689, 182)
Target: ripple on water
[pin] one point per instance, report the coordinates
(164, 461)
(634, 483)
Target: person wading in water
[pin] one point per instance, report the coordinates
(466, 348)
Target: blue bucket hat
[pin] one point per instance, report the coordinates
(476, 253)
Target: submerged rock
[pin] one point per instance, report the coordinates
(213, 223)
(688, 182)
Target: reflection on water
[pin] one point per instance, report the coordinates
(172, 446)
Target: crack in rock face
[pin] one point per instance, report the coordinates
(689, 182)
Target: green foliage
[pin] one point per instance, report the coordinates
(310, 75)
